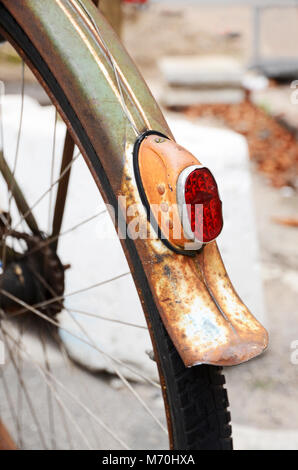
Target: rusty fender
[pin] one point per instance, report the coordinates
(199, 307)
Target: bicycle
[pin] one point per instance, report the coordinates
(196, 321)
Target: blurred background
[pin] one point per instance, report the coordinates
(224, 73)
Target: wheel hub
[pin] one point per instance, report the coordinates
(35, 277)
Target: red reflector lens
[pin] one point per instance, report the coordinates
(203, 205)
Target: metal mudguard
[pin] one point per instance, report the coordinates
(199, 307)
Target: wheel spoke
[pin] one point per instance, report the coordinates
(50, 240)
(61, 297)
(12, 182)
(44, 375)
(49, 393)
(19, 360)
(28, 212)
(24, 388)
(53, 322)
(112, 320)
(75, 399)
(52, 172)
(94, 346)
(69, 311)
(14, 189)
(71, 367)
(57, 341)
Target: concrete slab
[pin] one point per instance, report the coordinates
(202, 71)
(249, 438)
(179, 97)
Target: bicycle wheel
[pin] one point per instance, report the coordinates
(195, 398)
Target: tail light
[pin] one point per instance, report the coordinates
(180, 194)
(199, 204)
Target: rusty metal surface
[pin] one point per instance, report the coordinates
(206, 320)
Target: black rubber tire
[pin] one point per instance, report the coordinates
(196, 398)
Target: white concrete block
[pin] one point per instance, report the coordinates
(202, 71)
(188, 96)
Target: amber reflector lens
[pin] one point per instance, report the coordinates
(204, 206)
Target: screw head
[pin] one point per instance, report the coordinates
(161, 188)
